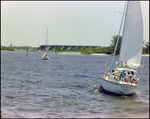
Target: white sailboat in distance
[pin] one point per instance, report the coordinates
(45, 57)
(123, 79)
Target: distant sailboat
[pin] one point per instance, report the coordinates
(123, 80)
(45, 57)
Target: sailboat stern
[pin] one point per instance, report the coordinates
(117, 87)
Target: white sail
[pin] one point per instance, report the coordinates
(132, 39)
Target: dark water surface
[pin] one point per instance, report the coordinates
(63, 86)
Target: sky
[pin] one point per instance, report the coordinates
(92, 23)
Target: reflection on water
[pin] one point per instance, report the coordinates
(65, 86)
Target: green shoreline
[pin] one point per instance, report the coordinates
(70, 52)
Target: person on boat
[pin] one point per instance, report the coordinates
(128, 73)
(109, 73)
(122, 75)
(116, 74)
(132, 73)
(127, 77)
(130, 78)
(113, 72)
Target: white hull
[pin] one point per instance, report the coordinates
(118, 87)
(45, 58)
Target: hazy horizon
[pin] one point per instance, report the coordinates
(25, 23)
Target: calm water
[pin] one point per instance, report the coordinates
(64, 87)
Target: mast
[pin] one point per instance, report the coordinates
(47, 37)
(123, 28)
(46, 40)
(118, 36)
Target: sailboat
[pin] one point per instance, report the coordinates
(45, 57)
(123, 78)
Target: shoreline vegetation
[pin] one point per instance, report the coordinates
(95, 54)
(109, 50)
(69, 52)
(87, 51)
(8, 49)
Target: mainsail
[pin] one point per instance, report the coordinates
(132, 39)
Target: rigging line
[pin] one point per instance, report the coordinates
(112, 22)
(118, 50)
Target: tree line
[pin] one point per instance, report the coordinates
(110, 49)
